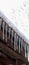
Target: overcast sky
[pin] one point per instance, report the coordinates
(18, 12)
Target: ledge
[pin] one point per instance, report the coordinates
(11, 53)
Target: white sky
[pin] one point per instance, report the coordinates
(18, 12)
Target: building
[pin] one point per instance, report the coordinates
(13, 45)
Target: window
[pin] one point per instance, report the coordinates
(26, 52)
(12, 37)
(2, 26)
(23, 48)
(26, 49)
(10, 33)
(5, 32)
(5, 28)
(20, 45)
(0, 23)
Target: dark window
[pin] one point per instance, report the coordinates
(26, 49)
(4, 30)
(10, 34)
(0, 23)
(23, 47)
(20, 45)
(12, 37)
(2, 26)
(7, 33)
(18, 41)
(26, 52)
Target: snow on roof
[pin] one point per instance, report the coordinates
(14, 27)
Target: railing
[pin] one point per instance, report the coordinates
(10, 41)
(11, 44)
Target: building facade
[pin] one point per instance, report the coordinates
(13, 48)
